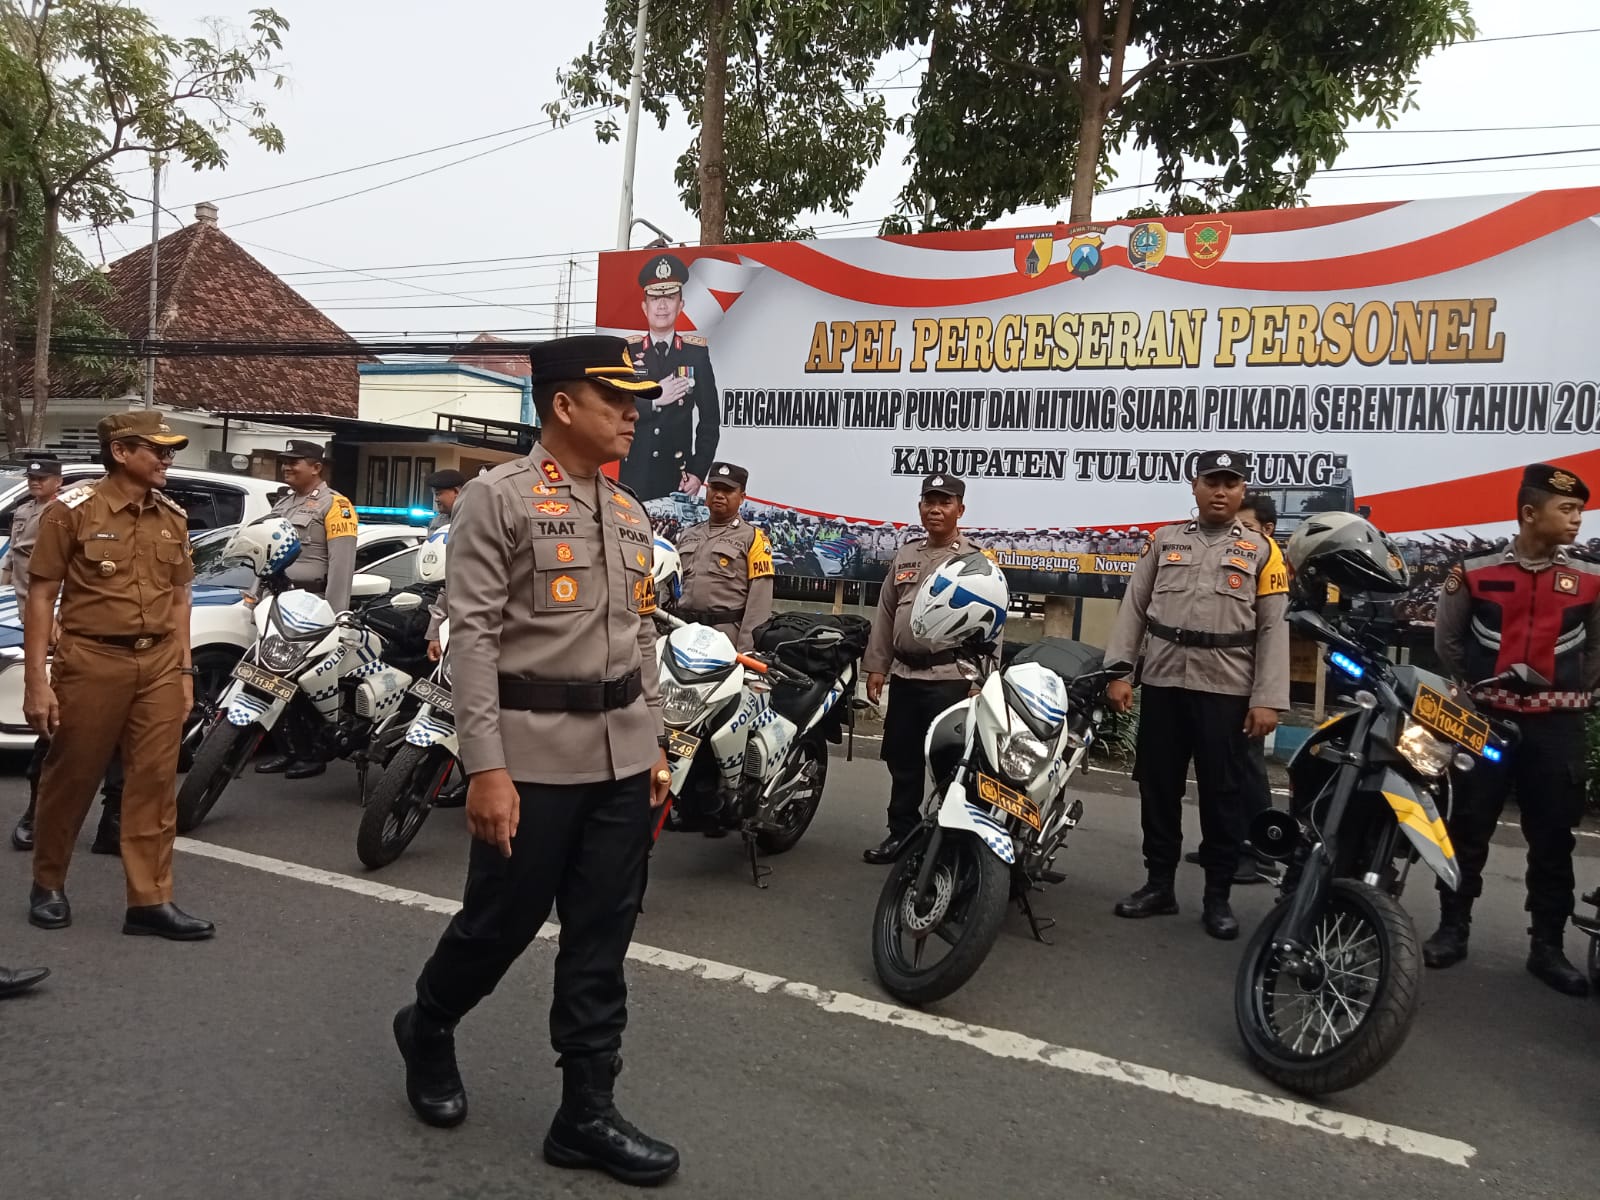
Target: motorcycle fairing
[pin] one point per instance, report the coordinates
(427, 729)
(1420, 821)
(959, 813)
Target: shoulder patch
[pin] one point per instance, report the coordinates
(1273, 577)
(692, 339)
(79, 494)
(759, 557)
(163, 498)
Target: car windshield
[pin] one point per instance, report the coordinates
(211, 568)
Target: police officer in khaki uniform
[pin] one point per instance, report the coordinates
(326, 524)
(562, 741)
(727, 563)
(44, 485)
(446, 487)
(925, 682)
(117, 554)
(1211, 596)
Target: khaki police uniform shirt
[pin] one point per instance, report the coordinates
(326, 525)
(1209, 580)
(121, 564)
(891, 628)
(24, 534)
(728, 566)
(550, 579)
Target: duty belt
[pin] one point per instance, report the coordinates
(712, 616)
(924, 662)
(1201, 640)
(128, 641)
(558, 695)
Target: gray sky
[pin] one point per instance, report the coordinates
(372, 79)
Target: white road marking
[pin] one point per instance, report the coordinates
(998, 1043)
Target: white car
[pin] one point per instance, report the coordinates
(220, 626)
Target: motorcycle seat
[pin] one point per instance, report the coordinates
(796, 701)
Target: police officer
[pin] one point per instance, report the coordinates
(672, 449)
(117, 554)
(1532, 601)
(1211, 596)
(327, 527)
(925, 683)
(44, 484)
(562, 741)
(727, 563)
(446, 486)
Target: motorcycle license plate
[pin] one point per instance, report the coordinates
(682, 745)
(1450, 720)
(992, 791)
(266, 681)
(431, 693)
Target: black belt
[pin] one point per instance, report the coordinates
(924, 662)
(712, 616)
(1198, 639)
(128, 641)
(558, 695)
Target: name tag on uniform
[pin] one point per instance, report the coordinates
(104, 537)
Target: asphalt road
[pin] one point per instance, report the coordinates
(260, 1064)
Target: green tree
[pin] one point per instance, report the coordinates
(85, 82)
(1024, 100)
(776, 89)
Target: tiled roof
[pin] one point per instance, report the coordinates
(507, 363)
(211, 288)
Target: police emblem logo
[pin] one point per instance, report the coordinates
(641, 560)
(1083, 250)
(663, 269)
(1034, 251)
(1566, 583)
(563, 589)
(107, 567)
(563, 552)
(1147, 245)
(1206, 242)
(1560, 481)
(1174, 557)
(166, 533)
(554, 508)
(1235, 582)
(552, 472)
(938, 481)
(540, 489)
(1224, 460)
(1396, 563)
(1452, 582)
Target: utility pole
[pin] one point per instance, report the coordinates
(631, 146)
(566, 311)
(155, 253)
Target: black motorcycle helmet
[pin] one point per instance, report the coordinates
(1349, 552)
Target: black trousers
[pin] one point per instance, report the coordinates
(913, 705)
(581, 848)
(1546, 770)
(111, 793)
(1177, 725)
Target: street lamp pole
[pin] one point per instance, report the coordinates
(155, 251)
(631, 146)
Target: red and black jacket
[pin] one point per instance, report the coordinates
(1538, 617)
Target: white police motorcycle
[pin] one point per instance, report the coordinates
(998, 811)
(327, 664)
(425, 757)
(748, 736)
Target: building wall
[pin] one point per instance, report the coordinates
(418, 398)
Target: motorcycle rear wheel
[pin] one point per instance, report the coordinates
(972, 885)
(812, 756)
(223, 751)
(400, 803)
(1324, 1038)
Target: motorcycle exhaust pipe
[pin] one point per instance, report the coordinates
(1275, 834)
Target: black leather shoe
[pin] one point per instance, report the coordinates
(22, 832)
(885, 851)
(168, 921)
(1192, 858)
(304, 770)
(588, 1131)
(48, 909)
(1448, 945)
(13, 982)
(1152, 900)
(1548, 962)
(433, 1083)
(276, 765)
(1219, 920)
(108, 838)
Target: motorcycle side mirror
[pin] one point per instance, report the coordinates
(1523, 673)
(406, 602)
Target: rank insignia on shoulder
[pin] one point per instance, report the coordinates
(78, 495)
(551, 471)
(1246, 546)
(540, 489)
(906, 576)
(693, 339)
(622, 500)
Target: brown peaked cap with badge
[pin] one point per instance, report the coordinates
(145, 424)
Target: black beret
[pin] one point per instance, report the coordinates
(1555, 481)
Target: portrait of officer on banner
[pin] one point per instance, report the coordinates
(675, 440)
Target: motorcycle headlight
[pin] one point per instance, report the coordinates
(1428, 754)
(1022, 756)
(680, 705)
(280, 654)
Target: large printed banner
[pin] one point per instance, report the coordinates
(1407, 359)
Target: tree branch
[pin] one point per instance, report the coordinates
(1089, 70)
(1178, 64)
(1119, 49)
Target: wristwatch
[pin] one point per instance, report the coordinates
(192, 671)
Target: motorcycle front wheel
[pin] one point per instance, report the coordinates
(810, 776)
(401, 803)
(222, 754)
(1339, 1027)
(924, 953)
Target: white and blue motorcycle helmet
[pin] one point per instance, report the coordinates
(268, 546)
(961, 602)
(431, 560)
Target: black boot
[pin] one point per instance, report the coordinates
(1154, 899)
(108, 838)
(276, 765)
(433, 1083)
(588, 1131)
(22, 834)
(1448, 945)
(1217, 916)
(1548, 961)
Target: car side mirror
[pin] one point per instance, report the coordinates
(367, 587)
(406, 602)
